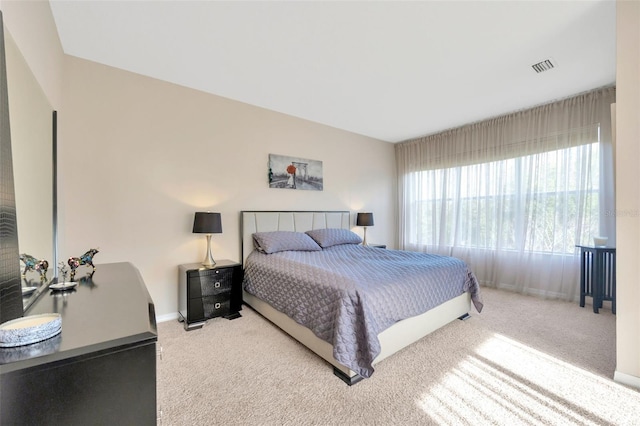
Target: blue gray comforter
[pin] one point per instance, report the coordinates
(348, 294)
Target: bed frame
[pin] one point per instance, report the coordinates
(392, 340)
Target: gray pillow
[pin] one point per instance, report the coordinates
(275, 241)
(333, 236)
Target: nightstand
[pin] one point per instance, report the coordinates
(382, 246)
(206, 293)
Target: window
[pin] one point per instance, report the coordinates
(513, 195)
(544, 202)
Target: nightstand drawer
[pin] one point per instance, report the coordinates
(209, 283)
(210, 306)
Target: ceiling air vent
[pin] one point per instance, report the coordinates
(545, 65)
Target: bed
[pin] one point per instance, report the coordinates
(335, 299)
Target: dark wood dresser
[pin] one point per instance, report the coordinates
(100, 370)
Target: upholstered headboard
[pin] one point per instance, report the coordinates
(299, 221)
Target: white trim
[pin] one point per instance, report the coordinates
(626, 379)
(167, 317)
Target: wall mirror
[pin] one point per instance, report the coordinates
(33, 140)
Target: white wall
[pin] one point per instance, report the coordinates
(139, 156)
(628, 192)
(32, 27)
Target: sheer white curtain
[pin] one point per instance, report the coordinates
(512, 196)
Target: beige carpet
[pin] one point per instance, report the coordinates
(522, 361)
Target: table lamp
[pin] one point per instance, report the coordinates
(207, 223)
(364, 219)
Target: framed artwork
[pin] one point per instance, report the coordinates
(295, 173)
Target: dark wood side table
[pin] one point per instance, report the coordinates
(598, 275)
(206, 293)
(382, 246)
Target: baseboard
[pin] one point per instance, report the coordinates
(167, 317)
(627, 379)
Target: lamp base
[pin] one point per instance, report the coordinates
(364, 239)
(208, 261)
(208, 264)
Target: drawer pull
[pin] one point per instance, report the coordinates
(217, 272)
(217, 284)
(217, 306)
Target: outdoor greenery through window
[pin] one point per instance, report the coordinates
(546, 202)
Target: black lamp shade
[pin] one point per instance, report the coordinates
(207, 223)
(364, 219)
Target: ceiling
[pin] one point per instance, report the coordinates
(390, 70)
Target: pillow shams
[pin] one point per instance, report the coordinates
(275, 241)
(333, 236)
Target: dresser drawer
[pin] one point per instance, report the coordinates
(210, 283)
(210, 306)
